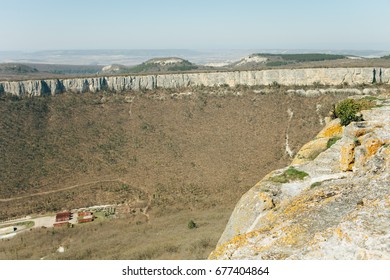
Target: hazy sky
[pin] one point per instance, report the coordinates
(196, 24)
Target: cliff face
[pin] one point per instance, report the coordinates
(328, 76)
(333, 202)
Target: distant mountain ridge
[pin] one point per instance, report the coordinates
(133, 57)
(169, 64)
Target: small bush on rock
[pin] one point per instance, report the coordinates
(291, 174)
(332, 141)
(347, 111)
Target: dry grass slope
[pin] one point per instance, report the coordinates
(189, 156)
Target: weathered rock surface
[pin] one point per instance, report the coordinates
(339, 210)
(327, 76)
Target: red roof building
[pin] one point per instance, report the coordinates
(86, 219)
(82, 214)
(61, 224)
(63, 216)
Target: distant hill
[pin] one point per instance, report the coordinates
(166, 64)
(271, 60)
(10, 71)
(16, 68)
(115, 69)
(66, 69)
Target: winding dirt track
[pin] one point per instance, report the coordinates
(59, 190)
(145, 210)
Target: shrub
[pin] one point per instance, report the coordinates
(147, 126)
(182, 68)
(275, 84)
(192, 224)
(291, 174)
(332, 141)
(316, 184)
(317, 84)
(277, 63)
(346, 110)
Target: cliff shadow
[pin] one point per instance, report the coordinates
(45, 89)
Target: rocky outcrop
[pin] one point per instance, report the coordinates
(327, 76)
(332, 132)
(333, 202)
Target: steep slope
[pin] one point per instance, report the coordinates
(185, 148)
(118, 84)
(192, 152)
(333, 202)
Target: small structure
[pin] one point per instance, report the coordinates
(63, 216)
(85, 218)
(84, 213)
(61, 224)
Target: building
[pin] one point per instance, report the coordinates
(63, 216)
(84, 213)
(61, 224)
(85, 217)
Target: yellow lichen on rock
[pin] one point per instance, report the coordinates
(297, 205)
(268, 202)
(386, 154)
(372, 145)
(339, 233)
(237, 241)
(330, 214)
(332, 129)
(292, 235)
(320, 143)
(347, 156)
(360, 132)
(342, 235)
(310, 150)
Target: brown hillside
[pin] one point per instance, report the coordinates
(183, 154)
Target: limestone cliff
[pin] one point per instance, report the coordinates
(327, 76)
(333, 202)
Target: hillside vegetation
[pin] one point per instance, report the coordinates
(188, 155)
(17, 71)
(163, 65)
(303, 57)
(15, 68)
(262, 60)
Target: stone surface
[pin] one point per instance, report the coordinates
(326, 76)
(333, 213)
(347, 156)
(312, 149)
